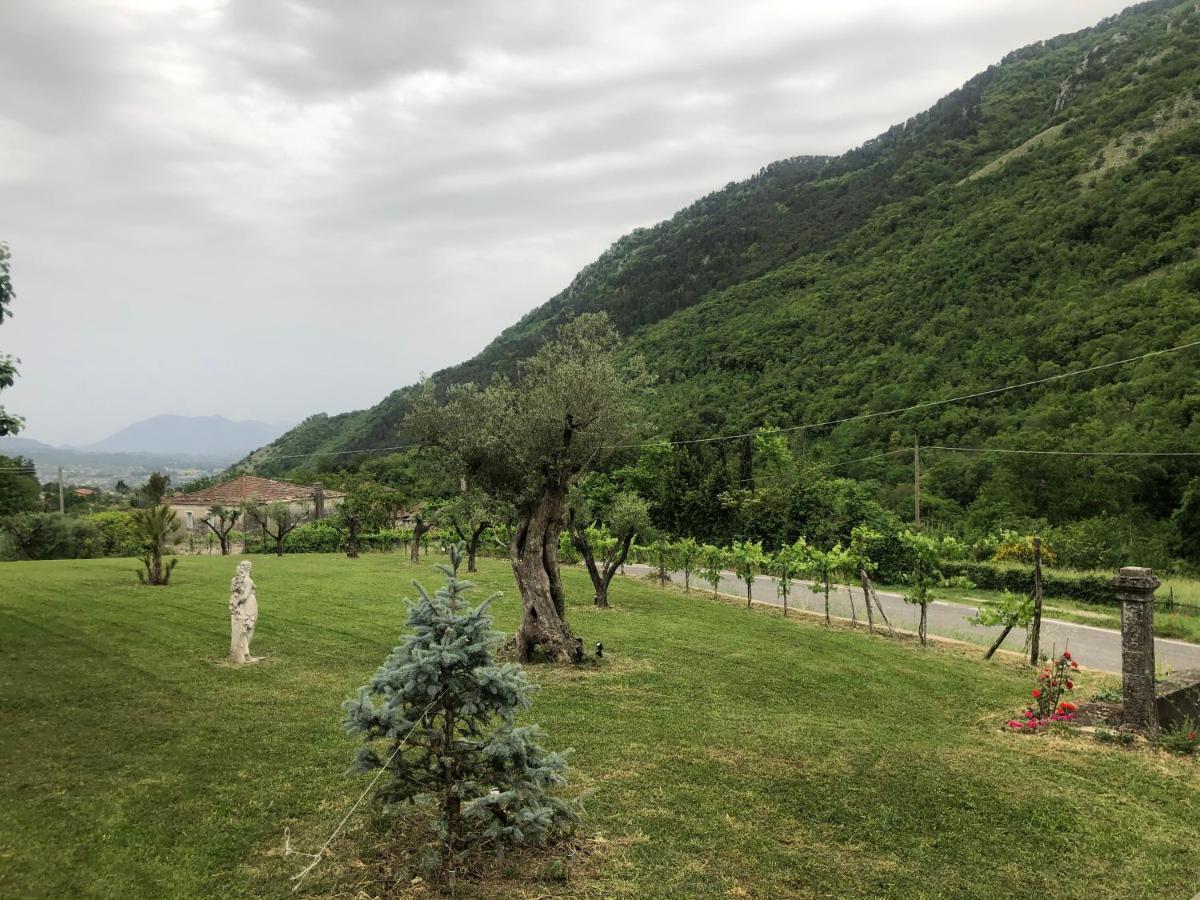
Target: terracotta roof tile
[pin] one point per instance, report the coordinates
(247, 488)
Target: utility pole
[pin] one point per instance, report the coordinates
(917, 479)
(62, 506)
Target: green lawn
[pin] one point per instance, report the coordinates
(731, 753)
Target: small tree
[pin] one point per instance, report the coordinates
(604, 544)
(863, 540)
(821, 567)
(277, 520)
(924, 558)
(1010, 611)
(420, 535)
(157, 527)
(661, 551)
(787, 564)
(445, 712)
(363, 508)
(712, 565)
(526, 441)
(748, 560)
(468, 515)
(221, 521)
(687, 553)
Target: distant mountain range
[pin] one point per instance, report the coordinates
(205, 436)
(162, 439)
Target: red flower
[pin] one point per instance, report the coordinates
(1191, 735)
(1070, 685)
(1066, 654)
(1036, 693)
(1074, 665)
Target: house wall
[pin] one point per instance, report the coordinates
(199, 511)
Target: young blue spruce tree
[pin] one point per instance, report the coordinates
(441, 712)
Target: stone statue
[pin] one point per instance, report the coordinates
(243, 613)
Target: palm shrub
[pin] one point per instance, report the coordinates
(443, 711)
(157, 527)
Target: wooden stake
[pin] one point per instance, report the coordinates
(1036, 633)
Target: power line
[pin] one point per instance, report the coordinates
(1067, 452)
(926, 404)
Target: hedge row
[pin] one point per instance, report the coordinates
(1082, 588)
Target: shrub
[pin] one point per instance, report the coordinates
(313, 537)
(50, 536)
(1054, 682)
(116, 533)
(1017, 549)
(1079, 586)
(387, 539)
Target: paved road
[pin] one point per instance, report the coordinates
(1096, 648)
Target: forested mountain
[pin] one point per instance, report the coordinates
(1042, 218)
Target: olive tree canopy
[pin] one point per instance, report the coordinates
(572, 406)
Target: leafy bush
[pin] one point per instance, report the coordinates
(1015, 548)
(1079, 586)
(50, 536)
(313, 537)
(116, 533)
(386, 539)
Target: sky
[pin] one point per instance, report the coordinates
(271, 208)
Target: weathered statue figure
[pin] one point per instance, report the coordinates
(243, 613)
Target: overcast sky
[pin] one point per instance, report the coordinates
(270, 208)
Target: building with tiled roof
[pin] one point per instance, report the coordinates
(194, 505)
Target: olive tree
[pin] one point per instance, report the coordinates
(365, 507)
(221, 521)
(604, 534)
(568, 410)
(278, 520)
(468, 515)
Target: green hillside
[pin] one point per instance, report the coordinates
(1043, 217)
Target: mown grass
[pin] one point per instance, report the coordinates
(731, 753)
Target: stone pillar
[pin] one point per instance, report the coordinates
(318, 500)
(1135, 589)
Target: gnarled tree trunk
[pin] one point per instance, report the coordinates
(533, 552)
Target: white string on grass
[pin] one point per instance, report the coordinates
(289, 850)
